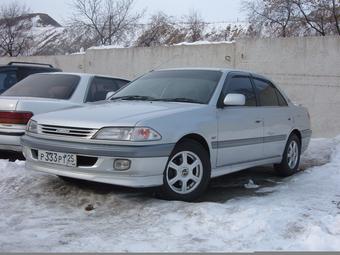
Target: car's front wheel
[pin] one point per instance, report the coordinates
(187, 173)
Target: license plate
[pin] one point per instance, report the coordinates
(65, 159)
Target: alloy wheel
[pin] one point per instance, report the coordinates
(293, 154)
(184, 172)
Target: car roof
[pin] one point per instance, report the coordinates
(224, 70)
(29, 65)
(85, 75)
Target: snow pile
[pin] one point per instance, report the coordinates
(107, 47)
(42, 213)
(202, 43)
(251, 185)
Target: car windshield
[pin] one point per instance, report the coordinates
(190, 86)
(57, 86)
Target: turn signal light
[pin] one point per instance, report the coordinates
(19, 118)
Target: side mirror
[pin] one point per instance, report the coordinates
(110, 94)
(234, 100)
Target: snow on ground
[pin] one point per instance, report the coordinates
(42, 213)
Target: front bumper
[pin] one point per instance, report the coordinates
(146, 170)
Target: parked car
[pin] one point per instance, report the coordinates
(174, 128)
(46, 92)
(14, 72)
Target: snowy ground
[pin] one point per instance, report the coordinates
(249, 211)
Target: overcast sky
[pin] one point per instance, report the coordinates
(211, 10)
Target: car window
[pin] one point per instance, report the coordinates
(121, 83)
(281, 99)
(174, 85)
(7, 80)
(57, 86)
(266, 92)
(242, 85)
(100, 87)
(23, 72)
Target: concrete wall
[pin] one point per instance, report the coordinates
(308, 69)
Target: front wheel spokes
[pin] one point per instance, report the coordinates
(184, 172)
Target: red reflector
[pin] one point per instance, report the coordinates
(15, 117)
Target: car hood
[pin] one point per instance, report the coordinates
(121, 113)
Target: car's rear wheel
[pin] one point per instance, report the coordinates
(187, 173)
(291, 157)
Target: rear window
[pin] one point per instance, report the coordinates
(56, 86)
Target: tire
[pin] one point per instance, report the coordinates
(195, 177)
(291, 157)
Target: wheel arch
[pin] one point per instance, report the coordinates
(198, 138)
(297, 133)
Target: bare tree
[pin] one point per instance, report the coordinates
(15, 30)
(294, 17)
(229, 33)
(276, 15)
(161, 30)
(336, 14)
(106, 21)
(320, 15)
(195, 26)
(312, 15)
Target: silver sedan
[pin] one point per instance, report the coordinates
(174, 128)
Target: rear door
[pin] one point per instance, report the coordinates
(277, 117)
(240, 128)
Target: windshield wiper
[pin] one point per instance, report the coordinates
(134, 98)
(180, 99)
(148, 98)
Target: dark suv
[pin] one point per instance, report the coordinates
(14, 72)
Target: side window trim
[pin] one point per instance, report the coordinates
(258, 101)
(279, 94)
(88, 86)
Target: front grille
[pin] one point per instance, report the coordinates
(67, 131)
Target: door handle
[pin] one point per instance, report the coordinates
(258, 121)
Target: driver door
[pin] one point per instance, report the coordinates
(240, 128)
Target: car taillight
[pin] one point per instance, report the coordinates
(20, 118)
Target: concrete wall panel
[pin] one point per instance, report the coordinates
(307, 68)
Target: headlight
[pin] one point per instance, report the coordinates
(32, 126)
(138, 134)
